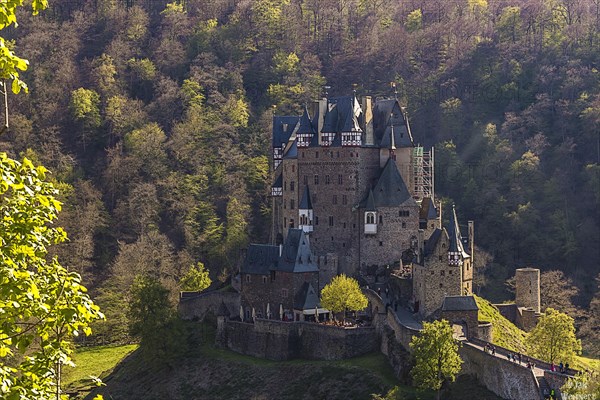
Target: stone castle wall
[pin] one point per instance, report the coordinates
(507, 379)
(278, 340)
(392, 236)
(194, 305)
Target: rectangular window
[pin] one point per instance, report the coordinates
(327, 179)
(284, 292)
(316, 179)
(264, 279)
(404, 224)
(293, 168)
(404, 213)
(334, 199)
(248, 278)
(344, 199)
(292, 186)
(340, 179)
(306, 179)
(381, 243)
(284, 185)
(316, 220)
(316, 154)
(292, 223)
(330, 221)
(292, 204)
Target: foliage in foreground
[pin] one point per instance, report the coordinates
(43, 304)
(553, 339)
(436, 356)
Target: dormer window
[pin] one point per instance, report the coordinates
(370, 223)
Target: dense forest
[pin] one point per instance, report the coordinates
(154, 118)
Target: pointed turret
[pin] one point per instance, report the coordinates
(305, 212)
(306, 130)
(456, 251)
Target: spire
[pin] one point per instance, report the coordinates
(306, 126)
(306, 202)
(370, 206)
(456, 244)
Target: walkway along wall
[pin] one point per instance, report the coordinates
(279, 340)
(195, 305)
(505, 378)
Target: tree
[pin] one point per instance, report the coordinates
(153, 318)
(196, 279)
(436, 356)
(584, 385)
(553, 339)
(43, 304)
(342, 294)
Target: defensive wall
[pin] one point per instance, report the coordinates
(507, 379)
(280, 340)
(196, 305)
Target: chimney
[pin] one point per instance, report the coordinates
(322, 111)
(420, 246)
(368, 120)
(471, 229)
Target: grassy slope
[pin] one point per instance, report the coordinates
(94, 361)
(506, 334)
(211, 373)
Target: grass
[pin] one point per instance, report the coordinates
(95, 361)
(505, 333)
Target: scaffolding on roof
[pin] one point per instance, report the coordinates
(423, 173)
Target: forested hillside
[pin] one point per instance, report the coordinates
(155, 120)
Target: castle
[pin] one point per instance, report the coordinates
(348, 176)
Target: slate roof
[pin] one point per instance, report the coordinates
(390, 190)
(283, 126)
(306, 125)
(296, 256)
(388, 113)
(223, 311)
(432, 242)
(306, 298)
(278, 182)
(305, 202)
(456, 241)
(291, 151)
(459, 303)
(370, 204)
(428, 210)
(342, 115)
(260, 259)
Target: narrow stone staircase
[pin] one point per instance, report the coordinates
(544, 387)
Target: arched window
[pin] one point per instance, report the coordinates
(370, 218)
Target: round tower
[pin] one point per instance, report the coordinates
(527, 282)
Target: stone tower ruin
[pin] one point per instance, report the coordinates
(528, 288)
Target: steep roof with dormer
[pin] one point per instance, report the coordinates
(306, 298)
(342, 115)
(283, 126)
(389, 116)
(296, 256)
